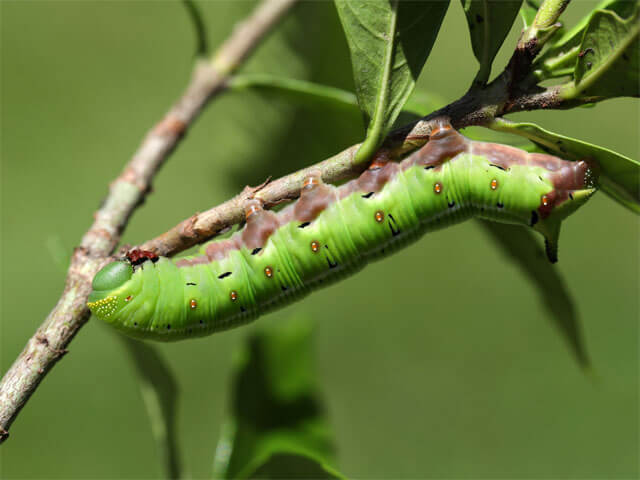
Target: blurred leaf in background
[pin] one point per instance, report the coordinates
(277, 427)
(159, 391)
(520, 245)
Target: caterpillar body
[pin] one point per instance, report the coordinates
(331, 232)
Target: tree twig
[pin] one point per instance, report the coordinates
(126, 192)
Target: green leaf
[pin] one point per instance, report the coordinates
(607, 65)
(159, 393)
(389, 41)
(521, 246)
(619, 175)
(489, 23)
(528, 12)
(278, 427)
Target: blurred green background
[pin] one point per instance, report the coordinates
(437, 362)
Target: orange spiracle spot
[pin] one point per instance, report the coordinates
(233, 295)
(250, 210)
(437, 187)
(315, 247)
(377, 164)
(379, 216)
(545, 201)
(494, 184)
(193, 303)
(268, 272)
(310, 182)
(128, 299)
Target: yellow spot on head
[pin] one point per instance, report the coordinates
(104, 307)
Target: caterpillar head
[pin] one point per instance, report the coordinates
(102, 302)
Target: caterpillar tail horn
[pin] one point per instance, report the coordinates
(550, 226)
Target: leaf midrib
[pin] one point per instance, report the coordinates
(378, 114)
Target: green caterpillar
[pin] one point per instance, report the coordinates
(331, 232)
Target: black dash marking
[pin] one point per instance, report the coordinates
(368, 195)
(190, 283)
(499, 205)
(571, 196)
(451, 204)
(394, 231)
(329, 262)
(224, 275)
(429, 167)
(541, 179)
(498, 166)
(305, 224)
(154, 259)
(256, 251)
(242, 309)
(284, 288)
(534, 218)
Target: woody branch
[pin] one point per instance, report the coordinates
(126, 193)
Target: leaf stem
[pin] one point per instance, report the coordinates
(291, 85)
(549, 12)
